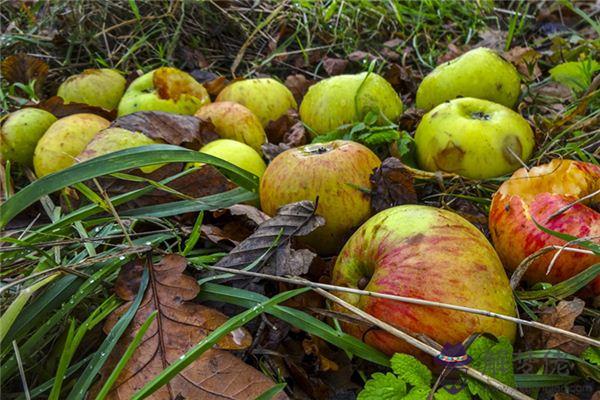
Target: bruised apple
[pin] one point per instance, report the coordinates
(335, 172)
(479, 73)
(425, 253)
(474, 138)
(115, 139)
(164, 89)
(236, 122)
(346, 99)
(265, 97)
(239, 154)
(536, 195)
(64, 140)
(97, 87)
(20, 133)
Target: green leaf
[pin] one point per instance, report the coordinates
(328, 137)
(418, 393)
(494, 359)
(411, 370)
(383, 387)
(376, 138)
(592, 354)
(577, 75)
(529, 381)
(443, 394)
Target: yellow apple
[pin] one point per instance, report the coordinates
(20, 133)
(96, 87)
(239, 154)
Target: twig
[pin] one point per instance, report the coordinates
(411, 300)
(473, 373)
(555, 257)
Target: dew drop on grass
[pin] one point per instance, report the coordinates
(122, 258)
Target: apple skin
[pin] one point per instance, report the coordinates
(473, 138)
(115, 139)
(333, 171)
(164, 89)
(238, 153)
(479, 73)
(537, 194)
(96, 87)
(236, 122)
(265, 97)
(64, 140)
(425, 253)
(20, 133)
(337, 101)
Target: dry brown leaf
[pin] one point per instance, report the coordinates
(215, 86)
(562, 316)
(565, 396)
(525, 59)
(358, 56)
(56, 106)
(313, 347)
(391, 185)
(180, 130)
(404, 79)
(250, 212)
(179, 325)
(270, 150)
(493, 39)
(298, 85)
(24, 68)
(334, 66)
(277, 129)
(453, 52)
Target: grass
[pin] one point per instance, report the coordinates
(59, 270)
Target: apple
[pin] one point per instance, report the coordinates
(237, 153)
(64, 140)
(335, 172)
(474, 138)
(20, 133)
(265, 97)
(346, 99)
(236, 122)
(115, 139)
(425, 253)
(96, 87)
(536, 195)
(164, 89)
(479, 73)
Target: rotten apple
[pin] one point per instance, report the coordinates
(559, 196)
(474, 138)
(97, 87)
(337, 173)
(425, 253)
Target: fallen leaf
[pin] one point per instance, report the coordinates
(24, 68)
(404, 79)
(392, 43)
(334, 66)
(296, 135)
(562, 316)
(250, 212)
(203, 76)
(493, 39)
(390, 54)
(288, 261)
(270, 150)
(194, 58)
(565, 396)
(312, 347)
(358, 56)
(180, 130)
(525, 59)
(179, 326)
(391, 185)
(451, 54)
(56, 106)
(276, 129)
(215, 86)
(216, 235)
(298, 85)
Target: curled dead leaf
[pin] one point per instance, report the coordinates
(277, 129)
(24, 68)
(525, 59)
(179, 325)
(334, 66)
(391, 185)
(298, 85)
(270, 150)
(56, 106)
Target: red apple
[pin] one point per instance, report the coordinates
(335, 172)
(536, 195)
(424, 253)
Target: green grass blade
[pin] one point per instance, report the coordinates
(297, 318)
(114, 162)
(190, 243)
(210, 340)
(270, 393)
(564, 288)
(529, 381)
(79, 390)
(553, 354)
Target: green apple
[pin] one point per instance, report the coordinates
(96, 87)
(20, 133)
(115, 139)
(346, 99)
(337, 173)
(164, 89)
(265, 97)
(239, 154)
(479, 73)
(236, 122)
(424, 253)
(474, 138)
(64, 140)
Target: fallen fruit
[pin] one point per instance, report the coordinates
(265, 97)
(335, 172)
(164, 89)
(96, 87)
(20, 133)
(474, 138)
(64, 140)
(237, 153)
(538, 194)
(236, 122)
(115, 139)
(346, 99)
(425, 253)
(479, 73)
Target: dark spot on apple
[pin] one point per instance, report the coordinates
(363, 282)
(511, 149)
(450, 158)
(507, 208)
(434, 114)
(499, 86)
(414, 239)
(481, 116)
